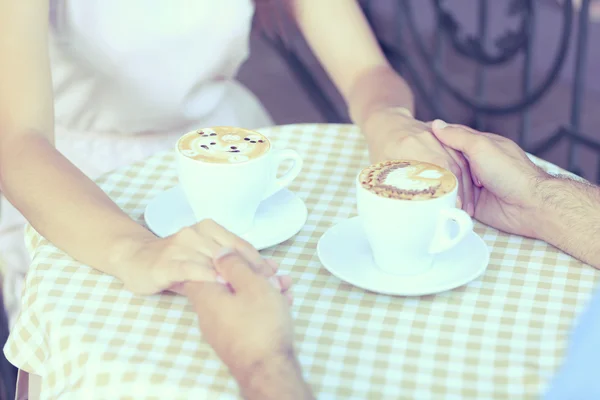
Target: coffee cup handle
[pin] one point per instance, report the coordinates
(442, 240)
(290, 175)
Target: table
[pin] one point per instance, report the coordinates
(499, 337)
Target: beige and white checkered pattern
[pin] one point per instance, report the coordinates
(499, 337)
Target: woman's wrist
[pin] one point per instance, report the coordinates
(377, 89)
(125, 253)
(378, 122)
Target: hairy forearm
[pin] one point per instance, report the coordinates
(64, 205)
(279, 378)
(568, 217)
(341, 38)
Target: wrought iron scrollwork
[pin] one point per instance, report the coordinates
(507, 47)
(510, 44)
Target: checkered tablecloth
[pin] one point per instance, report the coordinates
(499, 337)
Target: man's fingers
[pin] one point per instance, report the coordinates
(236, 271)
(453, 137)
(467, 185)
(455, 169)
(224, 238)
(477, 194)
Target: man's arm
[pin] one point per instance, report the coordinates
(278, 378)
(518, 197)
(568, 217)
(251, 329)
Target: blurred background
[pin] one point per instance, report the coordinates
(527, 69)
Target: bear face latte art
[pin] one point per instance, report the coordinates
(223, 145)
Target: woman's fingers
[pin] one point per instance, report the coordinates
(186, 270)
(225, 239)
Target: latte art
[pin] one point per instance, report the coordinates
(223, 144)
(407, 180)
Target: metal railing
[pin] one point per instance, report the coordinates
(511, 46)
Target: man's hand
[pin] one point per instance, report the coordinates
(248, 323)
(392, 133)
(518, 197)
(504, 176)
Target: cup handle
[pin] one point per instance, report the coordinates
(290, 175)
(442, 240)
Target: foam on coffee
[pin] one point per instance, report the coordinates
(223, 145)
(407, 180)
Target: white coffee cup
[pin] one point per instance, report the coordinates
(230, 194)
(405, 235)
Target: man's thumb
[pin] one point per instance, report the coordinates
(454, 137)
(234, 269)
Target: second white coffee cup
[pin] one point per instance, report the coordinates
(405, 235)
(230, 193)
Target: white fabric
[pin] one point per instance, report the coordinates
(129, 78)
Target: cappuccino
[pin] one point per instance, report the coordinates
(407, 180)
(223, 145)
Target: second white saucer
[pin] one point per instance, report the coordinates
(345, 252)
(278, 218)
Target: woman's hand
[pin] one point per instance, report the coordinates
(152, 265)
(392, 133)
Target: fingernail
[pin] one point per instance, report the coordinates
(458, 202)
(439, 124)
(221, 280)
(224, 252)
(271, 263)
(470, 209)
(274, 281)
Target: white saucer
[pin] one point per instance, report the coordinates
(278, 218)
(345, 252)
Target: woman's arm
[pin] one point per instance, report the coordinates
(59, 201)
(342, 40)
(57, 198)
